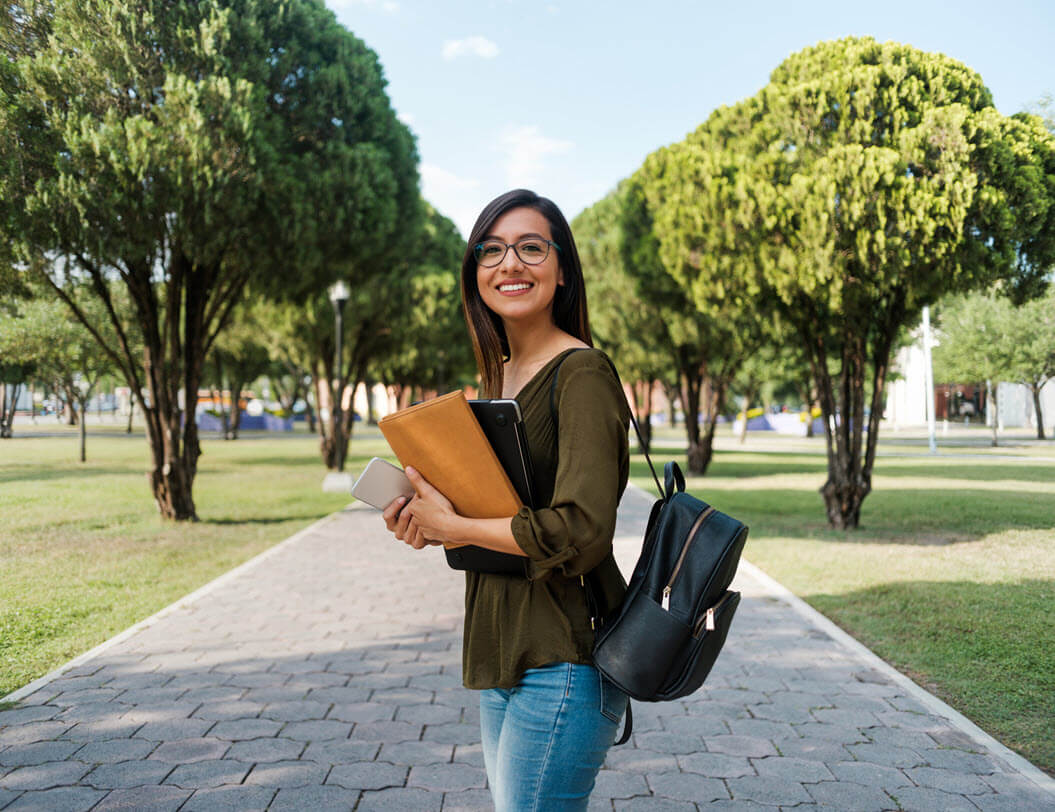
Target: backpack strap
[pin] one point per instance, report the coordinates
(663, 493)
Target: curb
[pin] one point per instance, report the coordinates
(181, 603)
(924, 697)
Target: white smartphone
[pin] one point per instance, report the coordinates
(380, 483)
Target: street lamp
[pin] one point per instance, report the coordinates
(339, 295)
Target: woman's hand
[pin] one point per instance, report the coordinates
(424, 520)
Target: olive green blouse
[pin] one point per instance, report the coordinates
(514, 623)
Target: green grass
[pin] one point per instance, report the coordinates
(84, 554)
(951, 577)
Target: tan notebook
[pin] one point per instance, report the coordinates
(443, 441)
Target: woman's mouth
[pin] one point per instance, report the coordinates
(514, 288)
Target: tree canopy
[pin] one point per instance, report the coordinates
(186, 149)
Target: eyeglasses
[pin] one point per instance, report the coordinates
(530, 250)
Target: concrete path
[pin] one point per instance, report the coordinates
(325, 674)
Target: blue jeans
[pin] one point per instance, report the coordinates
(545, 739)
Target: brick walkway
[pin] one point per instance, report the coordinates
(326, 675)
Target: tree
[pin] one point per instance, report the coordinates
(59, 351)
(186, 149)
(431, 349)
(237, 359)
(865, 181)
(624, 324)
(984, 337)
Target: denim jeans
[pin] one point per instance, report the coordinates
(545, 739)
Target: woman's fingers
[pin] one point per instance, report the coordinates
(391, 513)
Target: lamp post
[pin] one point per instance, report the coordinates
(339, 295)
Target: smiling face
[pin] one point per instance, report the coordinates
(513, 289)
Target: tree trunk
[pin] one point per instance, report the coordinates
(1036, 407)
(690, 400)
(743, 426)
(644, 412)
(131, 411)
(9, 393)
(84, 430)
(236, 406)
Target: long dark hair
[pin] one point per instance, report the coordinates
(490, 344)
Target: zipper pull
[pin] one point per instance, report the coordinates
(708, 621)
(665, 603)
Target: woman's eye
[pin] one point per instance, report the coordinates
(491, 249)
(532, 248)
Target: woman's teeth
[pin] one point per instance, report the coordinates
(515, 286)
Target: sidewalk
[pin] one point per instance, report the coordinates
(325, 674)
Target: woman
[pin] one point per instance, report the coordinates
(547, 716)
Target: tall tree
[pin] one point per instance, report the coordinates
(628, 326)
(870, 179)
(186, 148)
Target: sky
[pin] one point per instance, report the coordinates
(568, 98)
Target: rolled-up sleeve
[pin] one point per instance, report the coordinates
(574, 534)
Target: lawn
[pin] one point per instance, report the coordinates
(951, 577)
(84, 554)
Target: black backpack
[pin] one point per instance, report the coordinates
(661, 642)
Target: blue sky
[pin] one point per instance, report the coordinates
(568, 97)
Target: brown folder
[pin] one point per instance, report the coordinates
(443, 440)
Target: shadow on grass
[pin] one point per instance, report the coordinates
(72, 471)
(290, 517)
(917, 516)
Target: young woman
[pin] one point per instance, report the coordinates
(547, 716)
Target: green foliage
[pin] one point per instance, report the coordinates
(863, 182)
(187, 149)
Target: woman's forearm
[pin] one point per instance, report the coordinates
(493, 534)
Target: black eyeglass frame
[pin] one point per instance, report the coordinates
(480, 245)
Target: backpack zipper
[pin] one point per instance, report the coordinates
(665, 602)
(707, 621)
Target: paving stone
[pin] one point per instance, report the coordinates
(320, 730)
(428, 714)
(899, 737)
(156, 799)
(235, 798)
(24, 755)
(664, 742)
(716, 765)
(687, 787)
(339, 752)
(295, 711)
(446, 777)
(767, 790)
(339, 695)
(44, 776)
(402, 696)
(101, 730)
(416, 753)
(28, 713)
(960, 761)
(398, 800)
(616, 784)
(1011, 803)
(640, 761)
(750, 746)
(174, 729)
(387, 732)
(115, 750)
(265, 750)
(33, 732)
(280, 774)
(927, 799)
(871, 775)
(208, 774)
(473, 800)
(688, 726)
(835, 733)
(367, 775)
(228, 711)
(653, 805)
(454, 733)
(760, 728)
(183, 751)
(472, 754)
(813, 750)
(791, 769)
(362, 712)
(243, 729)
(61, 799)
(884, 754)
(949, 737)
(128, 774)
(948, 780)
(850, 797)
